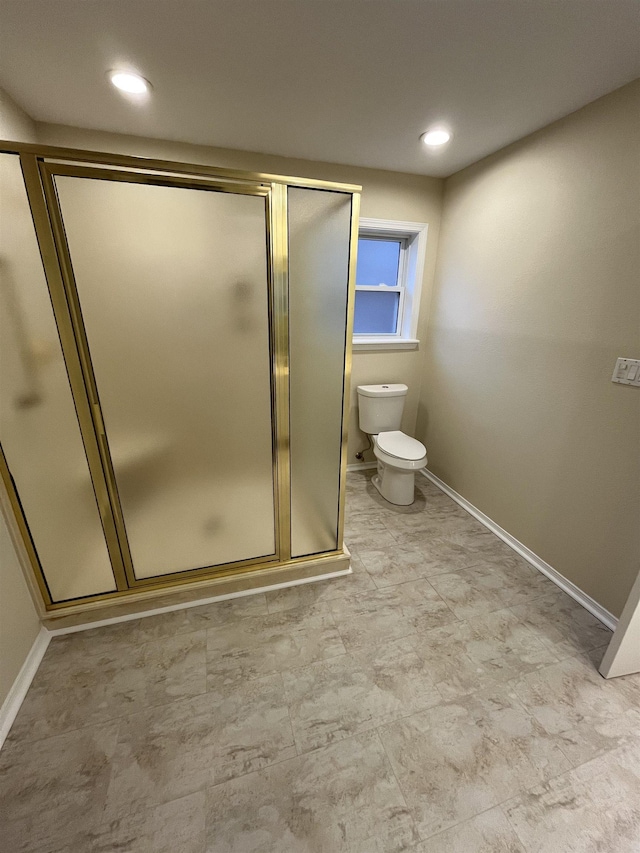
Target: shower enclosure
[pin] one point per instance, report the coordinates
(174, 370)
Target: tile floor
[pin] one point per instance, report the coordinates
(442, 699)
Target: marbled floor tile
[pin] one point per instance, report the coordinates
(467, 657)
(361, 478)
(517, 564)
(592, 809)
(53, 790)
(339, 799)
(177, 749)
(489, 832)
(572, 700)
(174, 668)
(426, 500)
(389, 613)
(477, 537)
(495, 548)
(309, 594)
(511, 559)
(250, 648)
(334, 699)
(627, 685)
(501, 634)
(396, 668)
(205, 616)
(392, 565)
(71, 692)
(595, 655)
(453, 517)
(444, 652)
(468, 595)
(586, 741)
(441, 555)
(360, 481)
(474, 539)
(362, 508)
(436, 524)
(421, 507)
(408, 654)
(363, 528)
(164, 625)
(424, 507)
(433, 494)
(563, 623)
(374, 536)
(365, 499)
(457, 760)
(107, 640)
(175, 827)
(510, 578)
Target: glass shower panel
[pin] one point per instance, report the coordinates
(173, 287)
(319, 236)
(38, 426)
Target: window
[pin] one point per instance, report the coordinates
(388, 280)
(379, 289)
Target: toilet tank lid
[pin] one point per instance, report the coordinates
(382, 390)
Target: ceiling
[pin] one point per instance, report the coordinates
(353, 81)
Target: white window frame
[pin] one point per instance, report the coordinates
(413, 236)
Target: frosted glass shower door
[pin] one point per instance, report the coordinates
(39, 430)
(172, 282)
(319, 254)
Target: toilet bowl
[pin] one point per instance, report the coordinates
(399, 456)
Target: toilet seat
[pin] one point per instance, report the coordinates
(401, 446)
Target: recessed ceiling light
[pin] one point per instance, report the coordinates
(436, 136)
(132, 84)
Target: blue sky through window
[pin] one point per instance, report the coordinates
(376, 312)
(378, 262)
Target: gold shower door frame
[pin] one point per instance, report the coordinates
(39, 166)
(98, 435)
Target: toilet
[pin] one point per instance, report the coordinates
(399, 456)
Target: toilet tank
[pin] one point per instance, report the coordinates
(380, 407)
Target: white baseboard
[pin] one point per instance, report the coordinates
(362, 466)
(127, 617)
(15, 697)
(538, 563)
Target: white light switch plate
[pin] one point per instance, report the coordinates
(627, 371)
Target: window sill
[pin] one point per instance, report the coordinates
(373, 344)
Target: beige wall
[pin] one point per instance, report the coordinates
(15, 124)
(385, 195)
(19, 623)
(537, 293)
